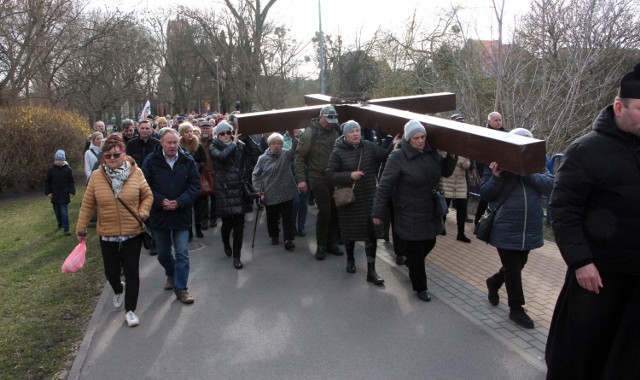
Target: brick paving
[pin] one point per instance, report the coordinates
(457, 272)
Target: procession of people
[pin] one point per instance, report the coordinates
(593, 332)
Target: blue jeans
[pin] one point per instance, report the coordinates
(300, 208)
(178, 266)
(62, 214)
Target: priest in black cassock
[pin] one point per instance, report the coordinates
(595, 209)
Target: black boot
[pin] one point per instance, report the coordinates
(462, 237)
(199, 232)
(351, 262)
(372, 276)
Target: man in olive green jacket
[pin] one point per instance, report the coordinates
(315, 147)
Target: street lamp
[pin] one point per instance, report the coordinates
(218, 84)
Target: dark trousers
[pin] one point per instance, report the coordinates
(123, 256)
(212, 208)
(327, 221)
(300, 208)
(461, 212)
(416, 252)
(62, 214)
(370, 248)
(274, 213)
(510, 274)
(200, 212)
(233, 223)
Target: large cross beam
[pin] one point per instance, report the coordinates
(514, 153)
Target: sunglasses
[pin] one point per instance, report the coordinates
(110, 156)
(225, 133)
(331, 116)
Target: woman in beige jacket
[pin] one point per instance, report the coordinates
(455, 190)
(116, 183)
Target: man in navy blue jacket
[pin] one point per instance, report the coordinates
(173, 177)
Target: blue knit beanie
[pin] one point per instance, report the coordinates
(60, 156)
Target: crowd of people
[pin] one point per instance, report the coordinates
(146, 176)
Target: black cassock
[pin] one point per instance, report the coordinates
(596, 336)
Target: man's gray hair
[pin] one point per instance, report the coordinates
(166, 130)
(494, 113)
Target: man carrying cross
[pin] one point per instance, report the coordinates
(315, 147)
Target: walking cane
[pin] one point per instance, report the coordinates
(255, 226)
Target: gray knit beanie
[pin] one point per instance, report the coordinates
(223, 126)
(349, 125)
(412, 127)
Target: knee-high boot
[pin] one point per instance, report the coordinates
(351, 262)
(372, 275)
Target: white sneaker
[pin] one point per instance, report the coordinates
(118, 299)
(132, 319)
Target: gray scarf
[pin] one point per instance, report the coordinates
(118, 176)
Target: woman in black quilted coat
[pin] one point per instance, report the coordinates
(228, 156)
(357, 161)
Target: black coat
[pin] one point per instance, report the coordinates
(414, 175)
(182, 183)
(140, 149)
(355, 219)
(60, 183)
(595, 214)
(229, 165)
(594, 205)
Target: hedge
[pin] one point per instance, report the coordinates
(31, 136)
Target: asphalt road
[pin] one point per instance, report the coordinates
(288, 316)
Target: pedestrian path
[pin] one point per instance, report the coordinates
(288, 316)
(459, 271)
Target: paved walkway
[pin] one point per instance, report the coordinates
(288, 316)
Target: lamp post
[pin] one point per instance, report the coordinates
(218, 84)
(321, 50)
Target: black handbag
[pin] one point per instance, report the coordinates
(441, 202)
(485, 224)
(249, 192)
(147, 236)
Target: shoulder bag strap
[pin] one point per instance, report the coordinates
(124, 204)
(358, 169)
(507, 195)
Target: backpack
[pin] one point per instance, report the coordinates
(98, 156)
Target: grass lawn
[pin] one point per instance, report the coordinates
(44, 311)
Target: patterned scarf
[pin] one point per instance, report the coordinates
(118, 176)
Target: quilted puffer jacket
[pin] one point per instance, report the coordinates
(113, 217)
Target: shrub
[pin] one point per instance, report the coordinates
(32, 134)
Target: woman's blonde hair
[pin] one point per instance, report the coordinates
(192, 146)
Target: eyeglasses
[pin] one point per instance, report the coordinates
(113, 155)
(225, 133)
(331, 116)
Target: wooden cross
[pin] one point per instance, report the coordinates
(517, 154)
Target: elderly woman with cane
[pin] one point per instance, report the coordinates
(274, 181)
(354, 163)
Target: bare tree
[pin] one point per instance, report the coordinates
(571, 58)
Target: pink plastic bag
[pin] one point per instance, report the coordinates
(75, 260)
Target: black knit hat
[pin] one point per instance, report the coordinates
(630, 84)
